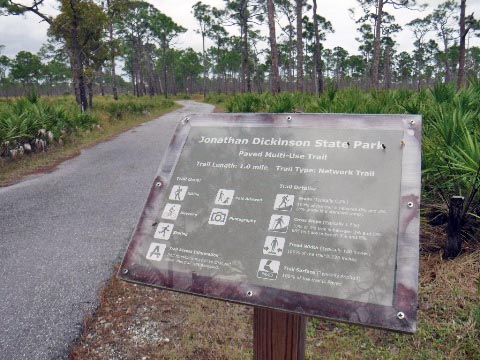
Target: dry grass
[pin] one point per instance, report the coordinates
(138, 322)
(448, 320)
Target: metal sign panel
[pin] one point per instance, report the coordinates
(310, 213)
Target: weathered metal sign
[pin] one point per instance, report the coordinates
(310, 213)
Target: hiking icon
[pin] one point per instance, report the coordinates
(279, 223)
(284, 202)
(178, 193)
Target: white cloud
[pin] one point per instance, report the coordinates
(27, 33)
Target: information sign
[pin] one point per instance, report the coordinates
(309, 213)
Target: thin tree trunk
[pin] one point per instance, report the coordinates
(448, 73)
(376, 45)
(134, 81)
(77, 60)
(158, 83)
(164, 54)
(101, 79)
(387, 72)
(112, 54)
(299, 10)
(90, 94)
(204, 66)
(317, 56)
(150, 74)
(461, 54)
(275, 80)
(245, 81)
(76, 90)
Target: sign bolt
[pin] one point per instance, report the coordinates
(410, 204)
(124, 271)
(158, 184)
(289, 118)
(186, 120)
(400, 315)
(249, 293)
(412, 122)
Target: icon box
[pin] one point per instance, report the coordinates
(171, 211)
(178, 193)
(155, 251)
(279, 223)
(284, 202)
(274, 245)
(268, 269)
(164, 231)
(224, 197)
(218, 216)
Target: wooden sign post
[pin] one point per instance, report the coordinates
(278, 335)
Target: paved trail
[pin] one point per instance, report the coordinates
(61, 233)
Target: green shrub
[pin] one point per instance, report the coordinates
(281, 103)
(130, 105)
(215, 98)
(25, 121)
(245, 103)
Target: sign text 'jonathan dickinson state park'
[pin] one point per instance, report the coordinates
(307, 213)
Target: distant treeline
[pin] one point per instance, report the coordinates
(89, 41)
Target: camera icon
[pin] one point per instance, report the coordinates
(218, 216)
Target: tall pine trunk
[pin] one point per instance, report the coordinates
(204, 66)
(112, 53)
(275, 80)
(76, 89)
(448, 72)
(101, 81)
(461, 54)
(77, 63)
(317, 56)
(376, 45)
(164, 69)
(299, 8)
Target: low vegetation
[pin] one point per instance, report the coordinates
(36, 133)
(146, 323)
(451, 146)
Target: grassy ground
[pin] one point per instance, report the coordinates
(138, 322)
(108, 127)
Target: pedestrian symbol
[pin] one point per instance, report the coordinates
(268, 269)
(178, 193)
(164, 230)
(155, 251)
(171, 211)
(274, 245)
(279, 223)
(224, 197)
(284, 202)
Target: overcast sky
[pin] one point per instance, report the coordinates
(29, 33)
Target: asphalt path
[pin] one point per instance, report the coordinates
(62, 232)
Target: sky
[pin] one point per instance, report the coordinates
(29, 33)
